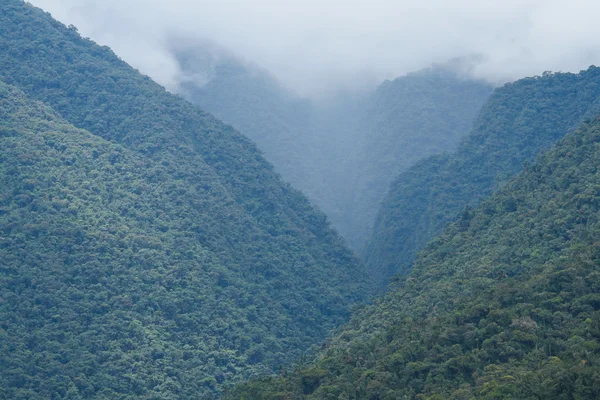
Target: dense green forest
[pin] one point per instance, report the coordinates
(520, 120)
(313, 145)
(342, 152)
(147, 249)
(503, 305)
(405, 120)
(254, 103)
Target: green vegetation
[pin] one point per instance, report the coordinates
(503, 305)
(520, 120)
(405, 120)
(342, 152)
(255, 104)
(146, 249)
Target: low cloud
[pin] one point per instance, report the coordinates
(319, 46)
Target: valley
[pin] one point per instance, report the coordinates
(434, 235)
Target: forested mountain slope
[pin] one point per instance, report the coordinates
(313, 145)
(504, 304)
(519, 120)
(412, 117)
(342, 152)
(157, 254)
(254, 103)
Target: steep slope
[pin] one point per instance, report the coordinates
(519, 121)
(405, 120)
(313, 145)
(344, 152)
(165, 214)
(503, 305)
(253, 102)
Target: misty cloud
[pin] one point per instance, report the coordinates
(315, 46)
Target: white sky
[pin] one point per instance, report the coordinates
(314, 46)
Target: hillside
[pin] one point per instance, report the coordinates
(148, 250)
(343, 152)
(313, 145)
(503, 305)
(410, 118)
(254, 103)
(520, 120)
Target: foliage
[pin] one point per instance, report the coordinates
(255, 104)
(155, 254)
(520, 120)
(410, 118)
(503, 305)
(342, 152)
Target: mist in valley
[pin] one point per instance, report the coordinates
(299, 199)
(327, 91)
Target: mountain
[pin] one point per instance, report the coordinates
(405, 120)
(503, 305)
(253, 102)
(520, 120)
(147, 249)
(343, 152)
(310, 144)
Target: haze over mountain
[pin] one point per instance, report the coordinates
(319, 47)
(320, 147)
(405, 120)
(520, 120)
(150, 250)
(255, 103)
(342, 153)
(503, 305)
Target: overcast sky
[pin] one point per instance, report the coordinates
(317, 45)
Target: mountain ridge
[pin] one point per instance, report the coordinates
(344, 152)
(503, 304)
(519, 120)
(178, 223)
